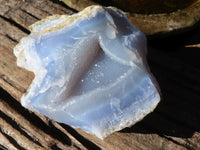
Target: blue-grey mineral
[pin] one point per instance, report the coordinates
(90, 70)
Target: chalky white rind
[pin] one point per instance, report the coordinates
(90, 70)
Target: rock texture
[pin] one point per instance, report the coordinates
(90, 70)
(173, 125)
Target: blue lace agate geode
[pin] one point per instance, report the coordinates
(90, 70)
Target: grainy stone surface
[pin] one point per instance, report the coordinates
(173, 125)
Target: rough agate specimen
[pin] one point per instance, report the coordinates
(90, 70)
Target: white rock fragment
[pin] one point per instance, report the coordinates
(90, 70)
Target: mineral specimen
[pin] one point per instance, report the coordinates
(90, 70)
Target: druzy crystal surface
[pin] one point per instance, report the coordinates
(90, 70)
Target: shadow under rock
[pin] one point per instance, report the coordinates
(174, 116)
(88, 144)
(178, 112)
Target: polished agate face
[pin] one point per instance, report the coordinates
(90, 70)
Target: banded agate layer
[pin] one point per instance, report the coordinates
(90, 70)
